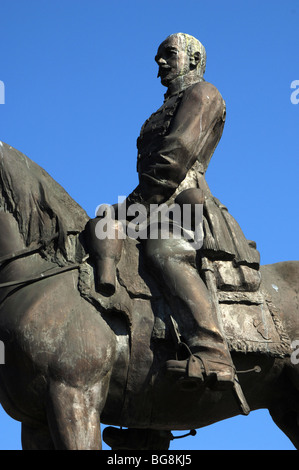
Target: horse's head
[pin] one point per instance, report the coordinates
(40, 206)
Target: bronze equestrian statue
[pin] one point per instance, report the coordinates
(174, 149)
(152, 334)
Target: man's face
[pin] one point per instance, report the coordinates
(172, 59)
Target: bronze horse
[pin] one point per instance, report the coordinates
(72, 363)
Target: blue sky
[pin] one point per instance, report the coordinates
(80, 80)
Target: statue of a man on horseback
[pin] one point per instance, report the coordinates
(174, 149)
(91, 323)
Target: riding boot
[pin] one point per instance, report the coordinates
(212, 366)
(208, 356)
(105, 254)
(203, 354)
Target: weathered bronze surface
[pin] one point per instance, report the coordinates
(152, 334)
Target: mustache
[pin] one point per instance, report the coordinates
(161, 68)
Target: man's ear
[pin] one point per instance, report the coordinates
(195, 59)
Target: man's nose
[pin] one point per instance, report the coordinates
(161, 61)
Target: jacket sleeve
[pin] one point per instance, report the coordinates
(193, 135)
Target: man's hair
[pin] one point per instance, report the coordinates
(193, 45)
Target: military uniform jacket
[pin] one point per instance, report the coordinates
(174, 149)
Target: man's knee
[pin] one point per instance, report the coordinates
(159, 252)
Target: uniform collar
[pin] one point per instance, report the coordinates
(180, 84)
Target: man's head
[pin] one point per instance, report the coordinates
(179, 55)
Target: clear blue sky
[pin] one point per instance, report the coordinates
(80, 79)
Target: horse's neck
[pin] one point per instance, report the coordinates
(10, 238)
(11, 242)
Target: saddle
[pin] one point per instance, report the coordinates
(250, 321)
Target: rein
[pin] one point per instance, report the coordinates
(28, 251)
(40, 276)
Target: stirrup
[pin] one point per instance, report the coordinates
(220, 378)
(196, 370)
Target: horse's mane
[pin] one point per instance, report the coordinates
(41, 207)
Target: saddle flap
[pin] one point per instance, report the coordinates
(251, 325)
